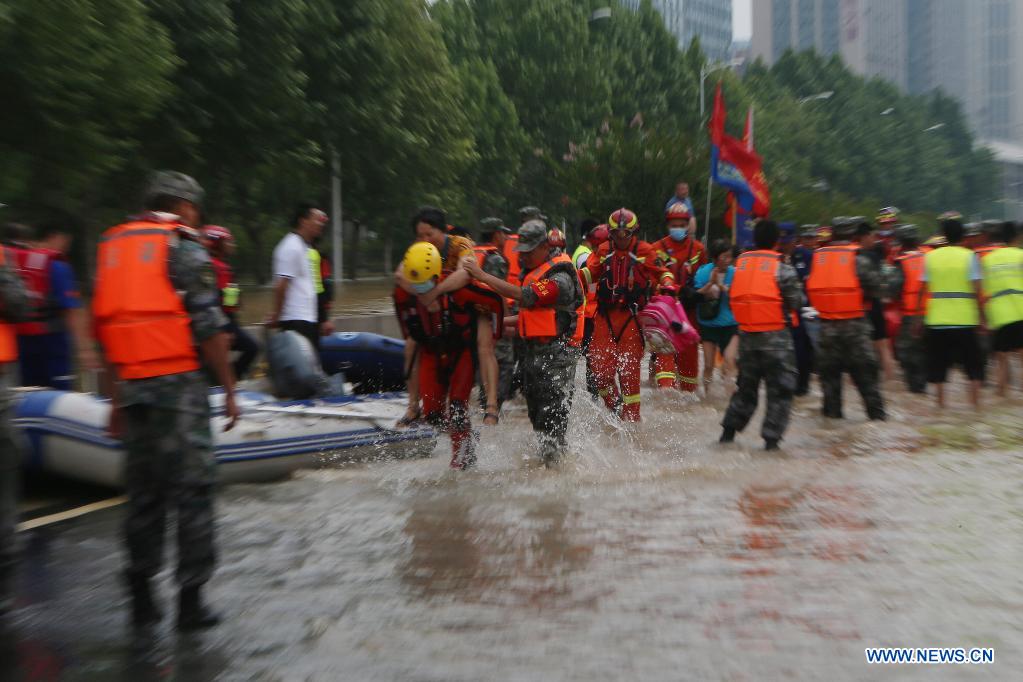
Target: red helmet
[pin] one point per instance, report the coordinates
(677, 211)
(599, 234)
(556, 237)
(217, 233)
(623, 219)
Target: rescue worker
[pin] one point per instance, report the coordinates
(444, 332)
(626, 273)
(905, 291)
(490, 256)
(841, 284)
(14, 306)
(593, 235)
(952, 288)
(682, 255)
(765, 297)
(56, 321)
(550, 324)
(800, 260)
(1002, 271)
(155, 300)
(875, 253)
(323, 286)
(220, 243)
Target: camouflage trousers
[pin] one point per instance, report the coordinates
(912, 355)
(846, 346)
(170, 465)
(9, 474)
(768, 357)
(548, 382)
(504, 349)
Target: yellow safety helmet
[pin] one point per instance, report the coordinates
(422, 263)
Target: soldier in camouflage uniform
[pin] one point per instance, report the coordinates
(905, 287)
(765, 293)
(841, 291)
(162, 413)
(493, 232)
(550, 303)
(13, 307)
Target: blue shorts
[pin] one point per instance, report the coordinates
(45, 360)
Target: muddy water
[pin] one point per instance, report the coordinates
(649, 554)
(361, 297)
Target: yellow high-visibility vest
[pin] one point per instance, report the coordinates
(1003, 286)
(314, 264)
(953, 299)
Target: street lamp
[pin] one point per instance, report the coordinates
(708, 69)
(820, 95)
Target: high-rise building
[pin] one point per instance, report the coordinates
(710, 20)
(780, 25)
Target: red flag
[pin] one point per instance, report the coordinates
(717, 117)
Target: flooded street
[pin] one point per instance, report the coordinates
(359, 297)
(651, 554)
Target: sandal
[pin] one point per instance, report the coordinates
(409, 419)
(492, 411)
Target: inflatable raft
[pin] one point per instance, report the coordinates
(65, 434)
(370, 362)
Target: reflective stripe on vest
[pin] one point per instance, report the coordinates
(140, 318)
(755, 297)
(953, 301)
(314, 267)
(591, 290)
(8, 337)
(581, 250)
(833, 286)
(1003, 286)
(542, 323)
(912, 265)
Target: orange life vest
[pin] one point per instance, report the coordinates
(140, 319)
(755, 297)
(482, 250)
(833, 287)
(451, 328)
(982, 251)
(912, 265)
(8, 337)
(542, 323)
(514, 268)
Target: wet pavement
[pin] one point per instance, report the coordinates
(649, 554)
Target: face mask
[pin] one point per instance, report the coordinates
(423, 287)
(677, 233)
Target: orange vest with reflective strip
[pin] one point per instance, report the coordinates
(140, 318)
(912, 265)
(833, 287)
(542, 323)
(755, 297)
(8, 337)
(481, 252)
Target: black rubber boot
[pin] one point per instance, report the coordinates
(770, 443)
(727, 435)
(144, 611)
(192, 613)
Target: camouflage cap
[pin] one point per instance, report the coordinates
(175, 184)
(843, 227)
(532, 234)
(906, 233)
(530, 213)
(808, 231)
(492, 225)
(972, 230)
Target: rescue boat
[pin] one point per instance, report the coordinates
(64, 433)
(370, 362)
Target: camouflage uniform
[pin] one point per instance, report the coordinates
(846, 346)
(548, 369)
(13, 307)
(770, 357)
(168, 440)
(909, 346)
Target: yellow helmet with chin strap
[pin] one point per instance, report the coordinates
(422, 263)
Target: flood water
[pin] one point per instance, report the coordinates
(651, 554)
(359, 297)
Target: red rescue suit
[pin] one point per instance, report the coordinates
(33, 266)
(625, 281)
(446, 342)
(682, 259)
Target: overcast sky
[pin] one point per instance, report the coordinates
(742, 19)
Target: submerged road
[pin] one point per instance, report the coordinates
(650, 554)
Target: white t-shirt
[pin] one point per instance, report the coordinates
(291, 261)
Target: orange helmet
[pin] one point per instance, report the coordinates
(217, 234)
(677, 211)
(623, 219)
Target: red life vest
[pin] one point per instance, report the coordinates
(44, 315)
(912, 265)
(755, 297)
(542, 323)
(140, 318)
(833, 286)
(452, 327)
(8, 337)
(622, 284)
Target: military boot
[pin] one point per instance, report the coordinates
(192, 613)
(144, 611)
